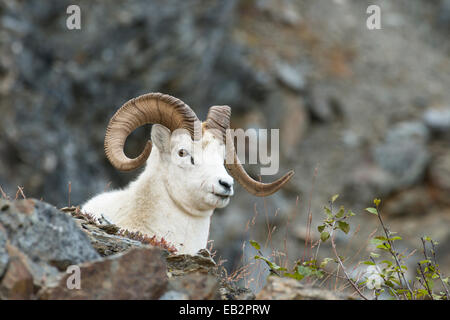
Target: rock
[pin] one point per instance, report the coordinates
(368, 180)
(134, 274)
(184, 263)
(4, 257)
(174, 295)
(444, 13)
(198, 277)
(27, 221)
(291, 76)
(399, 162)
(440, 174)
(403, 154)
(412, 130)
(290, 289)
(323, 104)
(196, 286)
(17, 282)
(103, 238)
(437, 119)
(230, 291)
(280, 11)
(412, 202)
(295, 125)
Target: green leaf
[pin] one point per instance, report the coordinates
(384, 246)
(376, 241)
(328, 212)
(430, 284)
(344, 226)
(389, 263)
(272, 266)
(295, 275)
(372, 210)
(341, 212)
(325, 262)
(395, 238)
(269, 263)
(255, 244)
(375, 255)
(370, 263)
(321, 228)
(324, 236)
(304, 271)
(334, 198)
(424, 261)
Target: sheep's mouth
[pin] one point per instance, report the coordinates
(222, 196)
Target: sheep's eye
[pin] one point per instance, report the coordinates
(182, 153)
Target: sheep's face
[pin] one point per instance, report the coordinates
(196, 178)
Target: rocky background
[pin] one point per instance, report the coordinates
(361, 113)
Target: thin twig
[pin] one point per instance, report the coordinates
(3, 194)
(70, 190)
(400, 273)
(426, 282)
(333, 245)
(308, 223)
(438, 271)
(20, 191)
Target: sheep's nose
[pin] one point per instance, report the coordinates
(226, 184)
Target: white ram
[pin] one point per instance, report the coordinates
(185, 177)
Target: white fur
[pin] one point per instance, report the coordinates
(171, 198)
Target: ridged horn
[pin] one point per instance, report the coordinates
(219, 119)
(148, 108)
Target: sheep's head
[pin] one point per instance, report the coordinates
(193, 171)
(193, 151)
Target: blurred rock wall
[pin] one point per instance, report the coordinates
(362, 113)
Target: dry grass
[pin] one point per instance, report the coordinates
(133, 235)
(19, 193)
(139, 236)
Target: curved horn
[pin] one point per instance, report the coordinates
(148, 108)
(219, 118)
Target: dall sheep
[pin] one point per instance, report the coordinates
(185, 178)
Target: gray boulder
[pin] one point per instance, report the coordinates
(4, 257)
(403, 155)
(45, 234)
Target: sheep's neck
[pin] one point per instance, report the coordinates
(159, 215)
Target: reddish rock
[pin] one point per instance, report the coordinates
(17, 282)
(196, 286)
(134, 274)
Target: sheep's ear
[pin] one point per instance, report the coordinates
(161, 137)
